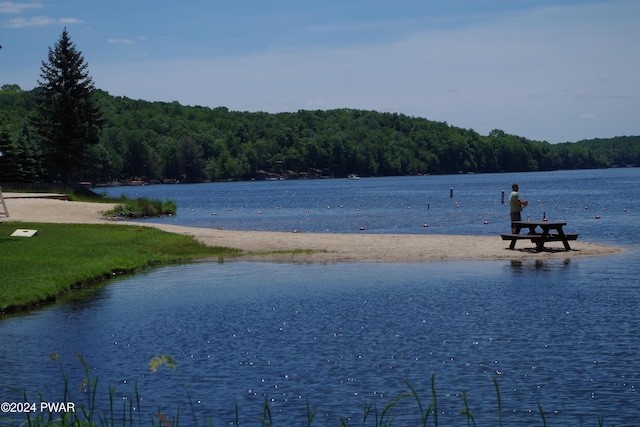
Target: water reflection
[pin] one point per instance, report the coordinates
(521, 266)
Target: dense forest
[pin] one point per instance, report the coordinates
(143, 140)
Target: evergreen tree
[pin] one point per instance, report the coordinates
(68, 118)
(10, 167)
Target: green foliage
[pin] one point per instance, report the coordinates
(621, 151)
(143, 207)
(68, 120)
(157, 140)
(64, 256)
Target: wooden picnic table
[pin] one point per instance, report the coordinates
(540, 232)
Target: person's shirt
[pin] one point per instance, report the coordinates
(514, 206)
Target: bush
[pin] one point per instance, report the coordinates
(143, 207)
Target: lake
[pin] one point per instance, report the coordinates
(562, 333)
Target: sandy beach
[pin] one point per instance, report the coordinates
(324, 247)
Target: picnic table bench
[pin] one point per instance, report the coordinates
(550, 231)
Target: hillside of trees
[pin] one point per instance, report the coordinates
(167, 141)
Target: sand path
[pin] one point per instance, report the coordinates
(325, 247)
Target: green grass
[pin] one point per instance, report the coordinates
(61, 257)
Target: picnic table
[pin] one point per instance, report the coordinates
(540, 232)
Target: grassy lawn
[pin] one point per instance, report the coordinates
(61, 257)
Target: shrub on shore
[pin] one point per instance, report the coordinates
(143, 207)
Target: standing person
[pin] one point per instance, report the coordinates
(515, 206)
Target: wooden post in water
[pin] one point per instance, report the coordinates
(502, 197)
(451, 193)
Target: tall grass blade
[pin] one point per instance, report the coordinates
(434, 399)
(495, 383)
(367, 411)
(467, 411)
(424, 415)
(389, 407)
(266, 414)
(310, 415)
(544, 421)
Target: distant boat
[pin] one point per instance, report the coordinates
(353, 176)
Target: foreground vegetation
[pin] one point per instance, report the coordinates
(410, 404)
(62, 257)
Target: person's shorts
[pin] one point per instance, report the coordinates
(515, 216)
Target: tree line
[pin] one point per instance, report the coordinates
(67, 130)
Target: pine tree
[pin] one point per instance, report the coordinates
(68, 119)
(10, 167)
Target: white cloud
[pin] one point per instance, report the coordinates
(35, 21)
(11, 7)
(532, 74)
(120, 41)
(38, 21)
(70, 21)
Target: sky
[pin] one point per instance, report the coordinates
(547, 70)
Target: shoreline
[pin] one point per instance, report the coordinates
(308, 247)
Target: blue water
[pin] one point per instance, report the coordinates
(408, 204)
(561, 333)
